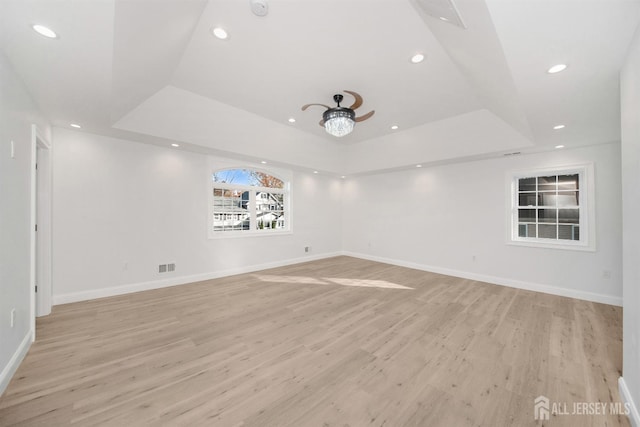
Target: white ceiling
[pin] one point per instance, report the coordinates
(150, 70)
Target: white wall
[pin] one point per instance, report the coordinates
(121, 208)
(17, 113)
(630, 109)
(439, 218)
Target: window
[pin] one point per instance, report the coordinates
(247, 201)
(552, 207)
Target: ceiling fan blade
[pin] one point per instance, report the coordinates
(358, 98)
(321, 123)
(304, 107)
(365, 117)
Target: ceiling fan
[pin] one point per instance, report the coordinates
(339, 121)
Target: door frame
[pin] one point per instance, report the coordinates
(41, 216)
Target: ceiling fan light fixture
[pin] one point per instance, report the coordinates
(339, 121)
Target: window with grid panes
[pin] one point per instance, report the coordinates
(248, 201)
(548, 207)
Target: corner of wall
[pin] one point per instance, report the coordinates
(629, 405)
(11, 368)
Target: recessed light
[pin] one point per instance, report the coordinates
(292, 120)
(558, 127)
(557, 68)
(315, 171)
(559, 146)
(343, 177)
(418, 166)
(175, 145)
(74, 125)
(263, 162)
(44, 31)
(219, 33)
(417, 58)
(442, 18)
(394, 127)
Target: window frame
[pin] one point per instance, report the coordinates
(586, 206)
(284, 176)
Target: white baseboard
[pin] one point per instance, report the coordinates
(627, 400)
(14, 362)
(179, 280)
(547, 289)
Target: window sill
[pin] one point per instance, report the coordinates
(243, 234)
(562, 246)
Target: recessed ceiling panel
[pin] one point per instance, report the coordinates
(304, 52)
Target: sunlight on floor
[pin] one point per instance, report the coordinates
(367, 283)
(363, 283)
(289, 279)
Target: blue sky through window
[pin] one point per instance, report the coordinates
(247, 177)
(234, 176)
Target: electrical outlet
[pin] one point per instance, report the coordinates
(13, 317)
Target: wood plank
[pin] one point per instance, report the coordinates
(317, 344)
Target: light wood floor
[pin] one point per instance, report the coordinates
(319, 344)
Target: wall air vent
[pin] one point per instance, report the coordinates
(444, 10)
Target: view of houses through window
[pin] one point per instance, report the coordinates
(247, 199)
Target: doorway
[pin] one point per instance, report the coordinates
(41, 230)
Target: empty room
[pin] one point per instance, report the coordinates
(273, 213)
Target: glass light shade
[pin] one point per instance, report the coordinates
(339, 121)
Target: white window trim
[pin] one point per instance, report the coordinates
(284, 175)
(586, 194)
